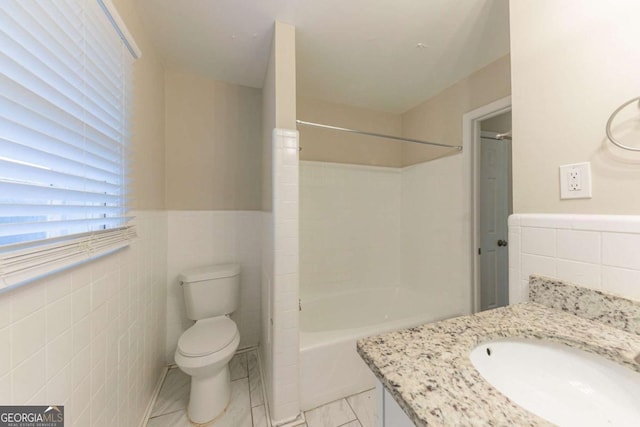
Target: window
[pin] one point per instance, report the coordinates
(65, 84)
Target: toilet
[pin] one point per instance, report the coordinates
(204, 350)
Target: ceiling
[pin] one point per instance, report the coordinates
(387, 55)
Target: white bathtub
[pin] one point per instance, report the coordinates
(330, 367)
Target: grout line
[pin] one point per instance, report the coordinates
(247, 349)
(348, 422)
(246, 369)
(169, 413)
(253, 421)
(267, 412)
(249, 380)
(346, 399)
(154, 397)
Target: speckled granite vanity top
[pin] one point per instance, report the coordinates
(428, 371)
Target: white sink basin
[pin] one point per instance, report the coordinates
(563, 385)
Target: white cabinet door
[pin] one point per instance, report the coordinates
(389, 413)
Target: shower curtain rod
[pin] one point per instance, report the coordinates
(378, 135)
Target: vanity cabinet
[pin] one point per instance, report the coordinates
(388, 412)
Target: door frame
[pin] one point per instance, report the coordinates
(471, 143)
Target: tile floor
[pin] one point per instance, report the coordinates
(247, 408)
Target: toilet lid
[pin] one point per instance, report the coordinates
(207, 336)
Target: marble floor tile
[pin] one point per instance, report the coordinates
(259, 416)
(174, 394)
(247, 407)
(255, 379)
(238, 413)
(238, 366)
(174, 419)
(364, 405)
(332, 414)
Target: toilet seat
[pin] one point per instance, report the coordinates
(207, 336)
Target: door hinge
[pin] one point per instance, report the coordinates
(479, 251)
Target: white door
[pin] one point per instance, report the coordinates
(495, 160)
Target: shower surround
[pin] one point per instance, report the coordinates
(380, 248)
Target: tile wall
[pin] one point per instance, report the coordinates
(280, 271)
(198, 238)
(436, 233)
(90, 338)
(367, 226)
(601, 252)
(349, 227)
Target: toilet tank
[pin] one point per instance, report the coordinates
(212, 290)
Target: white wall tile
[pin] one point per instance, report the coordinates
(621, 250)
(6, 394)
(5, 309)
(29, 377)
(56, 322)
(58, 388)
(27, 336)
(534, 264)
(81, 333)
(515, 287)
(539, 241)
(621, 281)
(515, 247)
(597, 251)
(100, 291)
(551, 221)
(579, 245)
(81, 276)
(59, 353)
(81, 365)
(280, 271)
(198, 238)
(58, 286)
(58, 317)
(81, 302)
(80, 398)
(26, 300)
(435, 253)
(582, 273)
(5, 356)
(349, 227)
(100, 320)
(38, 397)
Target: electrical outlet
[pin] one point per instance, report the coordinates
(575, 181)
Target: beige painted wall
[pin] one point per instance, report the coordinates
(268, 124)
(573, 63)
(500, 123)
(439, 119)
(213, 155)
(147, 165)
(285, 65)
(279, 98)
(339, 147)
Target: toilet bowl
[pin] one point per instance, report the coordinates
(205, 349)
(207, 362)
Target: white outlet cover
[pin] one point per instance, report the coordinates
(585, 181)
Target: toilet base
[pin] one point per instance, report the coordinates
(209, 396)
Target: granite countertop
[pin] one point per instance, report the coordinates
(427, 368)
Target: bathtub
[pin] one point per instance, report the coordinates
(330, 367)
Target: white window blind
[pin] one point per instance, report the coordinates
(65, 85)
